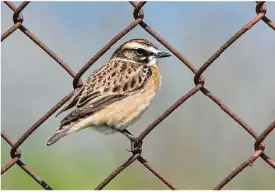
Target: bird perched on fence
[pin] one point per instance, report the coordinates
(117, 94)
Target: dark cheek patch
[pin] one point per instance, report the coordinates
(146, 60)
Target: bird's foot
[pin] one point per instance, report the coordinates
(136, 147)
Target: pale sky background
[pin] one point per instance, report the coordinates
(198, 136)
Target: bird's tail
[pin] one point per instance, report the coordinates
(60, 133)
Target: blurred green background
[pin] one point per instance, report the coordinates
(195, 147)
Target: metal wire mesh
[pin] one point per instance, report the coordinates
(138, 14)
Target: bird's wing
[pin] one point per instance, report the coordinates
(112, 82)
(72, 102)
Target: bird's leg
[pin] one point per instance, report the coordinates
(135, 147)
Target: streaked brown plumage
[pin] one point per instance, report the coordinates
(117, 94)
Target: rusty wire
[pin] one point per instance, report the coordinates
(138, 15)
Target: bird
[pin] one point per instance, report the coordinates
(117, 94)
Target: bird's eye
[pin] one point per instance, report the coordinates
(141, 51)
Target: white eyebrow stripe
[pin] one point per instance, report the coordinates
(152, 49)
(133, 46)
(137, 45)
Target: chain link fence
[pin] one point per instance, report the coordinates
(138, 14)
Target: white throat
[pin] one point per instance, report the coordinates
(152, 61)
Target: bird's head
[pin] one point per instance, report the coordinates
(141, 51)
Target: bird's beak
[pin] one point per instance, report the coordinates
(162, 54)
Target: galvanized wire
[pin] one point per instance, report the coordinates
(138, 14)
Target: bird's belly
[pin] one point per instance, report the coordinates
(125, 112)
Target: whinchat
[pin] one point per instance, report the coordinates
(117, 94)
